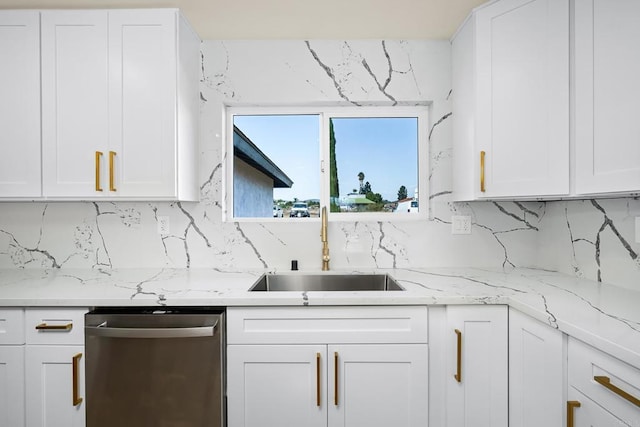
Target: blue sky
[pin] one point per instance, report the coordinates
(384, 149)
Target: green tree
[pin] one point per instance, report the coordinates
(402, 192)
(367, 188)
(378, 202)
(374, 197)
(334, 187)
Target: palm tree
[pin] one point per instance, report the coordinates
(361, 179)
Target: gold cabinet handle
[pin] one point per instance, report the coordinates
(335, 378)
(606, 382)
(317, 379)
(482, 187)
(98, 161)
(571, 405)
(75, 366)
(458, 374)
(112, 155)
(44, 327)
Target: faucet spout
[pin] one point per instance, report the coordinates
(325, 239)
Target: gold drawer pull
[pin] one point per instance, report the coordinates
(482, 187)
(44, 327)
(98, 159)
(571, 405)
(606, 382)
(74, 367)
(112, 155)
(317, 379)
(458, 374)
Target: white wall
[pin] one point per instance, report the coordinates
(506, 234)
(252, 191)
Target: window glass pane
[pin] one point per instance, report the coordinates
(374, 164)
(276, 165)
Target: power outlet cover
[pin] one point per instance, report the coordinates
(460, 224)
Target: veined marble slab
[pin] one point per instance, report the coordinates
(604, 316)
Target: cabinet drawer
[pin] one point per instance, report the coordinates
(336, 325)
(590, 414)
(11, 326)
(55, 325)
(586, 364)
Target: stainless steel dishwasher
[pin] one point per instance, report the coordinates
(155, 367)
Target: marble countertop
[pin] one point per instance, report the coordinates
(602, 315)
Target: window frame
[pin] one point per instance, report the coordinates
(325, 113)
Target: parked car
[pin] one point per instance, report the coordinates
(277, 211)
(407, 205)
(299, 210)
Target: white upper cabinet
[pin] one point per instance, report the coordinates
(20, 104)
(511, 101)
(120, 105)
(154, 104)
(74, 101)
(607, 66)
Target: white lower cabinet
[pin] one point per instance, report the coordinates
(606, 389)
(52, 375)
(340, 375)
(468, 366)
(378, 385)
(537, 378)
(11, 385)
(12, 367)
(586, 413)
(276, 385)
(54, 367)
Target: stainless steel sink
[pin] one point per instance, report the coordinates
(325, 283)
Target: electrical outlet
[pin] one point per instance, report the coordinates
(163, 225)
(638, 229)
(460, 224)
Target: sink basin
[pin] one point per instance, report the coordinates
(325, 283)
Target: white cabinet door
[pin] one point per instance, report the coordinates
(20, 104)
(590, 414)
(511, 101)
(12, 385)
(50, 386)
(276, 385)
(522, 100)
(120, 105)
(607, 65)
(142, 102)
(536, 373)
(477, 387)
(378, 385)
(74, 102)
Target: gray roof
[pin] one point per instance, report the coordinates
(246, 150)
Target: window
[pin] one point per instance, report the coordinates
(361, 163)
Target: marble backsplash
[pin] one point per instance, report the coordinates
(592, 239)
(589, 239)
